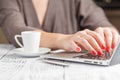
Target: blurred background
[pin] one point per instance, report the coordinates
(111, 8)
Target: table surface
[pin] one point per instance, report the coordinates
(16, 67)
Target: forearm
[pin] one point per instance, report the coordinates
(51, 40)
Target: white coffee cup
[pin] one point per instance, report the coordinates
(30, 39)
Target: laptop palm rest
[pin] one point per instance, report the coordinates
(116, 58)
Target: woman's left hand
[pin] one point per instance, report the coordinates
(110, 36)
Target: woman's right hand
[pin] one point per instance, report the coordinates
(87, 39)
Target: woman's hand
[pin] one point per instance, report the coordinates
(93, 41)
(87, 39)
(110, 36)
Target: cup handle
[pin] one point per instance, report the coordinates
(16, 39)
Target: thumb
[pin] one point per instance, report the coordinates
(75, 47)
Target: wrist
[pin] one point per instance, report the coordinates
(61, 41)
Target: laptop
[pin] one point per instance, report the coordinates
(111, 58)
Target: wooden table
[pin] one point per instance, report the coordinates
(15, 67)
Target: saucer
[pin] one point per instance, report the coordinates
(21, 51)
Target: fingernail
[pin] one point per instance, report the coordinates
(103, 47)
(94, 53)
(78, 49)
(113, 46)
(100, 53)
(108, 49)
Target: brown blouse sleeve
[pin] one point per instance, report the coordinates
(11, 20)
(92, 15)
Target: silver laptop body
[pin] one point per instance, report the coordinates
(111, 58)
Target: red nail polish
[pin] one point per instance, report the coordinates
(94, 53)
(103, 47)
(108, 49)
(100, 53)
(113, 46)
(78, 49)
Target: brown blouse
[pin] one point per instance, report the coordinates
(63, 16)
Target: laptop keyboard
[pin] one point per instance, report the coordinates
(89, 56)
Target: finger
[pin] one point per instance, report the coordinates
(83, 42)
(72, 46)
(98, 38)
(75, 47)
(115, 39)
(94, 44)
(108, 39)
(101, 32)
